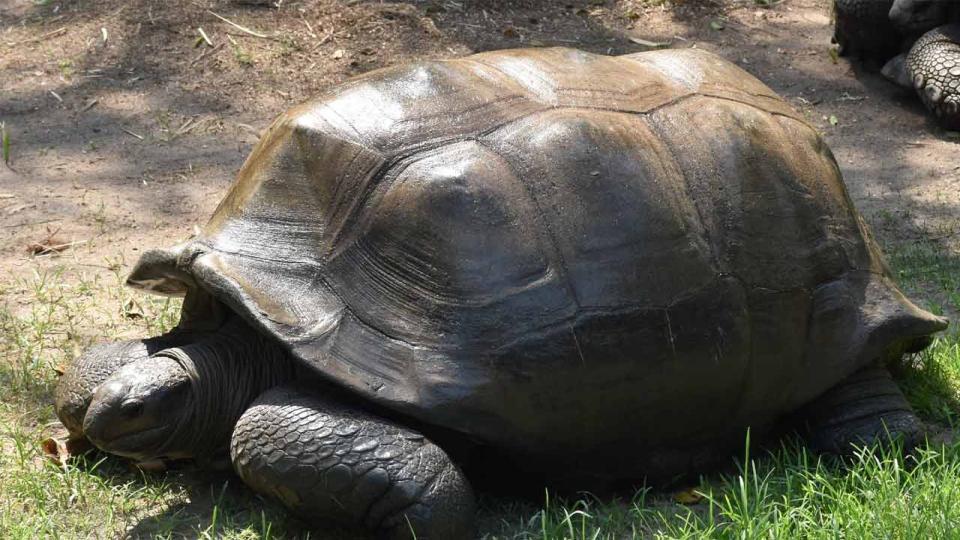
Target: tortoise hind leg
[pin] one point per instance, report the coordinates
(327, 461)
(863, 409)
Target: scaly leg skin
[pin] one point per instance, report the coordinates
(933, 64)
(80, 380)
(863, 409)
(330, 462)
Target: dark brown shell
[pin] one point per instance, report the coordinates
(556, 252)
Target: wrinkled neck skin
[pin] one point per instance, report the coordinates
(226, 372)
(201, 316)
(182, 402)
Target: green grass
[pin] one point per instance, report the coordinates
(5, 143)
(786, 494)
(46, 319)
(44, 322)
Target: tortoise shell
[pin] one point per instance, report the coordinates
(555, 252)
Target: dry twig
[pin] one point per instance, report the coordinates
(43, 249)
(128, 132)
(206, 53)
(90, 105)
(243, 29)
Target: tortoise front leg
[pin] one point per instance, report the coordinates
(327, 461)
(863, 409)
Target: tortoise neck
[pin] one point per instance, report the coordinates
(227, 371)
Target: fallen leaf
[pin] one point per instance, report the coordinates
(60, 450)
(833, 120)
(44, 245)
(51, 244)
(717, 24)
(132, 310)
(55, 450)
(337, 54)
(510, 32)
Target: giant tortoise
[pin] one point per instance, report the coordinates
(593, 267)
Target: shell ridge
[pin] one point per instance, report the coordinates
(362, 140)
(386, 177)
(336, 196)
(590, 312)
(336, 239)
(547, 233)
(530, 92)
(675, 166)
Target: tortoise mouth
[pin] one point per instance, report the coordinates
(134, 445)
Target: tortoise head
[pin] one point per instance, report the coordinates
(88, 372)
(131, 397)
(919, 15)
(183, 402)
(139, 410)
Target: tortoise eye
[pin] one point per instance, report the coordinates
(132, 408)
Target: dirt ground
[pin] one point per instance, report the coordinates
(127, 119)
(126, 125)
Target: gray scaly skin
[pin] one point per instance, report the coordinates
(327, 461)
(933, 67)
(866, 408)
(82, 378)
(183, 401)
(323, 460)
(201, 317)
